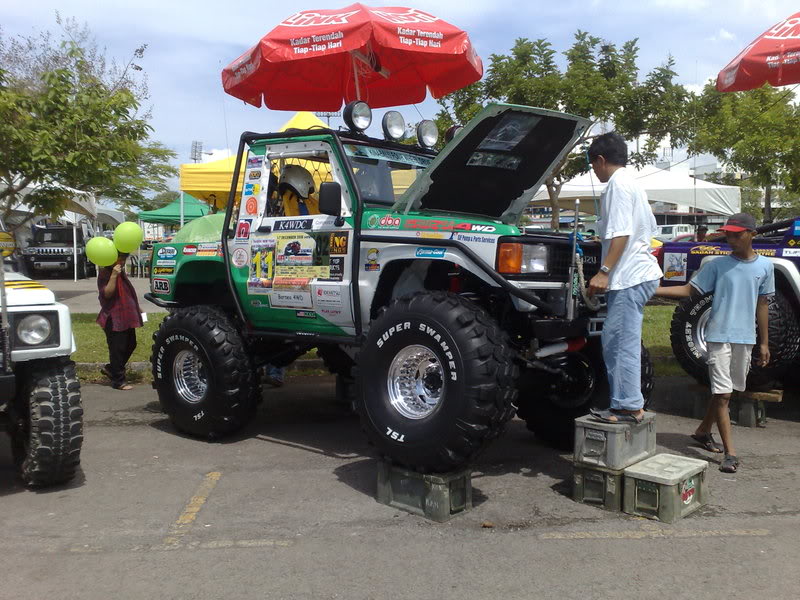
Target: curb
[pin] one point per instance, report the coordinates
(298, 365)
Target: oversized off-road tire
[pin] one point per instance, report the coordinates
(47, 423)
(549, 404)
(205, 379)
(436, 381)
(82, 269)
(687, 336)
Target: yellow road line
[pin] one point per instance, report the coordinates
(184, 523)
(650, 534)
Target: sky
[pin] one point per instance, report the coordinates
(189, 43)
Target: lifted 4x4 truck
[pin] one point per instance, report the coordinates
(780, 243)
(414, 283)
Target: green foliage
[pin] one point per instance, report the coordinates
(600, 82)
(66, 117)
(754, 132)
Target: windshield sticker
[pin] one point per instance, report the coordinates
(262, 266)
(254, 175)
(294, 225)
(338, 243)
(373, 254)
(385, 154)
(675, 266)
(431, 252)
(494, 160)
(250, 205)
(240, 257)
(255, 162)
(509, 132)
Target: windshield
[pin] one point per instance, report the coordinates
(666, 230)
(383, 175)
(55, 236)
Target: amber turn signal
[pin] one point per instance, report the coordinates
(509, 258)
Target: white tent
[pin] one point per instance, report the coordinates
(669, 187)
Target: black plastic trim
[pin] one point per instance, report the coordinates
(162, 303)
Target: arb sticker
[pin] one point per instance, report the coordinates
(161, 286)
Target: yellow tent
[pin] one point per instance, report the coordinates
(211, 181)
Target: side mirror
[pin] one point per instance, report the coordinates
(330, 198)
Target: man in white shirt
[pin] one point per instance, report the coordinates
(629, 275)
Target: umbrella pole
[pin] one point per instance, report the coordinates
(355, 76)
(182, 209)
(75, 250)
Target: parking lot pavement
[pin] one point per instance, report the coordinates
(81, 295)
(286, 509)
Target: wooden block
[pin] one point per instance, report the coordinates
(771, 396)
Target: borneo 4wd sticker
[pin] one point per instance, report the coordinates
(167, 252)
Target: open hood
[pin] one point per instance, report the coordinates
(495, 165)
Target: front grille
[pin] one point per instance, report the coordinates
(561, 259)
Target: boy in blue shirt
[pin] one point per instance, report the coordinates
(741, 283)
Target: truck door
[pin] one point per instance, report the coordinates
(290, 263)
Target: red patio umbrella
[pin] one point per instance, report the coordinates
(317, 59)
(773, 57)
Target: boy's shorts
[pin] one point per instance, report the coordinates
(728, 365)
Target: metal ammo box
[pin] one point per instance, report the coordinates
(614, 445)
(665, 487)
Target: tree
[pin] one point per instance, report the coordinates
(68, 117)
(754, 132)
(600, 82)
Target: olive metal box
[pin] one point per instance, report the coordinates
(436, 496)
(597, 486)
(665, 487)
(614, 445)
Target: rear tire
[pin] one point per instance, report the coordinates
(204, 378)
(436, 381)
(687, 335)
(47, 424)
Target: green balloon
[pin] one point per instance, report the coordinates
(127, 237)
(101, 251)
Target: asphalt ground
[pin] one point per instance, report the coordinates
(286, 509)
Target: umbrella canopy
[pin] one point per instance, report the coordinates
(171, 213)
(670, 187)
(773, 57)
(203, 229)
(386, 56)
(211, 181)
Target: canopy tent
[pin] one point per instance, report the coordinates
(171, 213)
(669, 187)
(211, 181)
(77, 201)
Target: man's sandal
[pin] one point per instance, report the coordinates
(707, 442)
(730, 464)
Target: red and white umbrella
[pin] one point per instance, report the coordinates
(316, 60)
(773, 57)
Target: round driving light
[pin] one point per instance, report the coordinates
(357, 115)
(394, 125)
(427, 133)
(33, 330)
(451, 133)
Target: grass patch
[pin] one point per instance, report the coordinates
(655, 329)
(91, 339)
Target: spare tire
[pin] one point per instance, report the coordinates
(687, 336)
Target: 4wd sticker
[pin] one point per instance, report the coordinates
(294, 225)
(161, 286)
(167, 252)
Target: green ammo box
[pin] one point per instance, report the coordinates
(598, 486)
(665, 487)
(434, 496)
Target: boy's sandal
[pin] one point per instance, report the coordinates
(730, 464)
(707, 442)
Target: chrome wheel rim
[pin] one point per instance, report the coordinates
(191, 381)
(700, 334)
(416, 382)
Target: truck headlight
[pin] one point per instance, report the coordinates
(33, 330)
(528, 259)
(535, 258)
